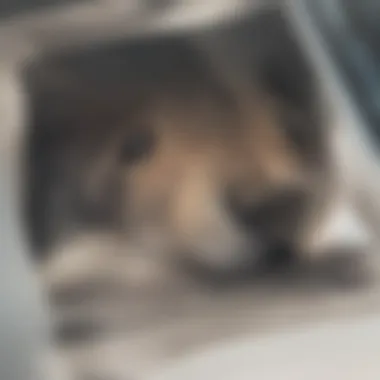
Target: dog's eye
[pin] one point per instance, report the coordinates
(137, 147)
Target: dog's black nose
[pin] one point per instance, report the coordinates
(275, 214)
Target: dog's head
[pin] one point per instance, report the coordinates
(174, 160)
(221, 180)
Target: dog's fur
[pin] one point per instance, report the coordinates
(142, 154)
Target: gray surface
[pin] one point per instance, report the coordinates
(171, 325)
(22, 319)
(339, 351)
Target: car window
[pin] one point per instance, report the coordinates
(351, 33)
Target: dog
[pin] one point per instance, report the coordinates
(142, 158)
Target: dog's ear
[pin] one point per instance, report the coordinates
(284, 72)
(70, 123)
(266, 52)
